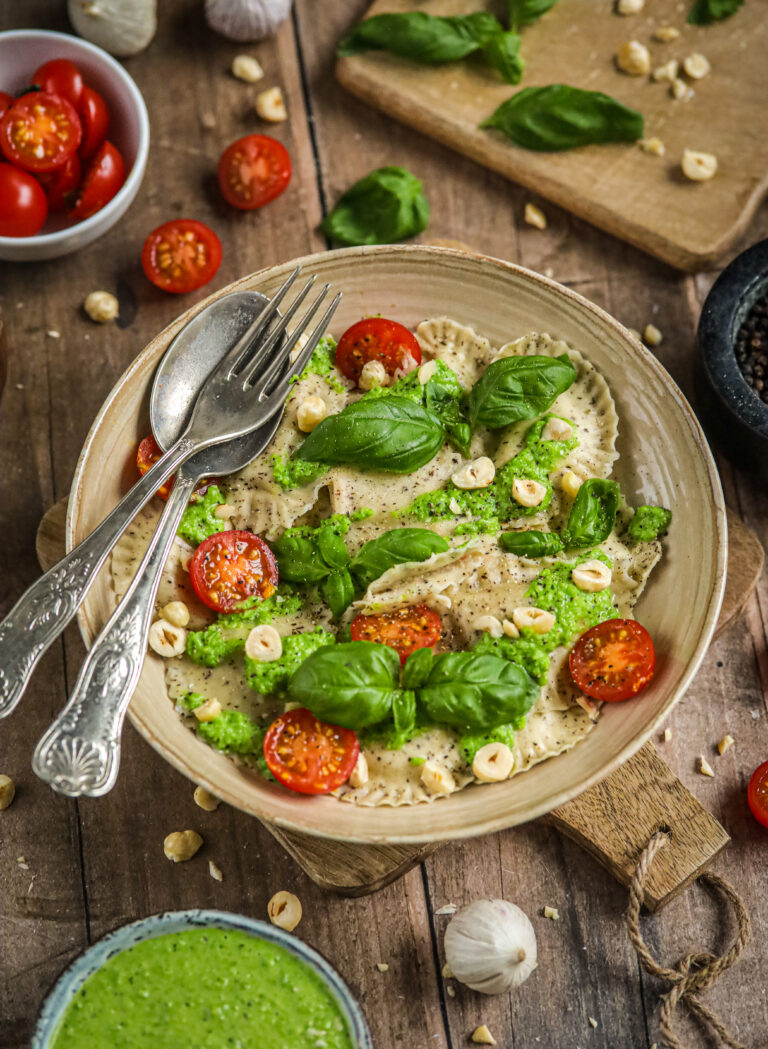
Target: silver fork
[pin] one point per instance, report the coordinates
(232, 402)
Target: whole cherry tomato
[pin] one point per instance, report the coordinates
(23, 207)
(58, 185)
(308, 755)
(104, 177)
(377, 339)
(253, 171)
(94, 117)
(181, 255)
(6, 100)
(757, 794)
(60, 77)
(40, 132)
(613, 661)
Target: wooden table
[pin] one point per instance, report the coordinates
(91, 865)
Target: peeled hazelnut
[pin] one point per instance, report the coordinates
(270, 105)
(205, 800)
(699, 166)
(101, 306)
(182, 845)
(284, 910)
(634, 58)
(7, 791)
(246, 68)
(175, 612)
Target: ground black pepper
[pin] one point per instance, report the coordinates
(752, 347)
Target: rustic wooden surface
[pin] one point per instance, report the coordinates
(90, 865)
(644, 199)
(613, 820)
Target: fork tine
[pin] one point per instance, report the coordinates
(262, 320)
(253, 361)
(264, 381)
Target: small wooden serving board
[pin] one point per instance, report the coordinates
(613, 820)
(641, 198)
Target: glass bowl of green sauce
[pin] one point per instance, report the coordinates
(200, 980)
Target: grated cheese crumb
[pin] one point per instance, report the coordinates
(382, 967)
(449, 908)
(703, 766)
(667, 735)
(552, 913)
(652, 336)
(726, 742)
(215, 871)
(592, 1021)
(535, 216)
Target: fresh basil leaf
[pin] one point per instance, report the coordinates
(705, 11)
(387, 205)
(470, 690)
(503, 53)
(593, 513)
(352, 684)
(404, 716)
(523, 12)
(416, 668)
(396, 547)
(531, 544)
(332, 547)
(558, 117)
(443, 396)
(338, 592)
(299, 560)
(649, 523)
(389, 433)
(430, 39)
(515, 388)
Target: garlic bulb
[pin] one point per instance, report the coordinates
(490, 946)
(121, 28)
(246, 19)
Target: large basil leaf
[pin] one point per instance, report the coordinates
(523, 12)
(397, 547)
(531, 544)
(470, 690)
(352, 684)
(593, 513)
(425, 38)
(558, 117)
(386, 206)
(503, 53)
(299, 560)
(404, 717)
(332, 547)
(705, 11)
(337, 591)
(390, 433)
(515, 388)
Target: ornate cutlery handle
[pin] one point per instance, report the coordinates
(80, 752)
(40, 614)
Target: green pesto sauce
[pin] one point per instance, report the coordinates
(323, 363)
(266, 678)
(226, 637)
(534, 461)
(527, 651)
(203, 989)
(231, 730)
(293, 473)
(362, 514)
(649, 523)
(199, 519)
(484, 526)
(574, 610)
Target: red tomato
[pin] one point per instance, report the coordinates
(149, 452)
(23, 207)
(253, 171)
(377, 339)
(94, 117)
(60, 77)
(5, 101)
(613, 660)
(757, 794)
(404, 629)
(104, 177)
(228, 568)
(40, 132)
(181, 255)
(58, 184)
(307, 755)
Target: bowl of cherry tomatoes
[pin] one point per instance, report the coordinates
(74, 141)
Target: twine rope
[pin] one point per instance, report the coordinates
(693, 973)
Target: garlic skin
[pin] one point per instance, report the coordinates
(246, 20)
(490, 946)
(121, 28)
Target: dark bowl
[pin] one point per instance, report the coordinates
(735, 414)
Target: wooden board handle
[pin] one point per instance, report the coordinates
(616, 819)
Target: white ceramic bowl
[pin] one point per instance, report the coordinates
(22, 51)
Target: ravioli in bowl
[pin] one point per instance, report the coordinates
(427, 580)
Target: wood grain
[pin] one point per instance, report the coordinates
(642, 199)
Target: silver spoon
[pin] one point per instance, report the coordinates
(80, 752)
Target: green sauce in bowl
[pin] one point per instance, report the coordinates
(207, 988)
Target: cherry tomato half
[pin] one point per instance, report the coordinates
(181, 255)
(613, 661)
(377, 339)
(6, 100)
(94, 116)
(253, 171)
(757, 794)
(59, 184)
(307, 755)
(149, 452)
(40, 132)
(60, 77)
(228, 568)
(23, 207)
(104, 178)
(404, 629)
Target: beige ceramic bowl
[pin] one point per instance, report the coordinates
(664, 459)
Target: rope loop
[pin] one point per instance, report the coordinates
(693, 973)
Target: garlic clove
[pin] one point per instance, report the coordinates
(491, 946)
(244, 20)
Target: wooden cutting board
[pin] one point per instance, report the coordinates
(613, 820)
(641, 198)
